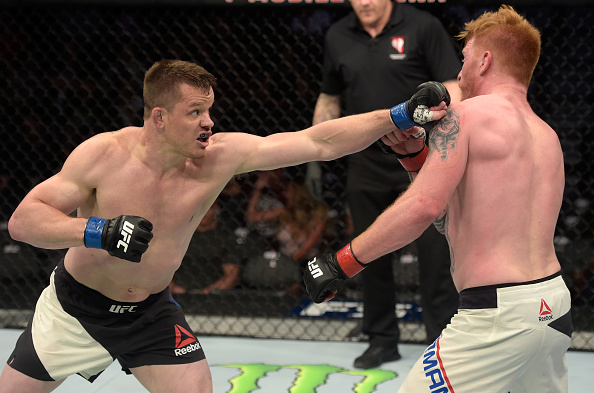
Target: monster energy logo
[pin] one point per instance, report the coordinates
(309, 377)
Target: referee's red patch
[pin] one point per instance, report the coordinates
(398, 44)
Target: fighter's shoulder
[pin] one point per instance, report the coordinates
(479, 108)
(224, 138)
(473, 102)
(104, 145)
(232, 143)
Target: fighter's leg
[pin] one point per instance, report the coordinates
(175, 378)
(13, 381)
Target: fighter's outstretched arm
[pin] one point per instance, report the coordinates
(335, 138)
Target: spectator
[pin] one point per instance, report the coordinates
(266, 206)
(213, 260)
(302, 224)
(293, 225)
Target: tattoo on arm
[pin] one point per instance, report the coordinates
(444, 135)
(443, 139)
(327, 108)
(441, 223)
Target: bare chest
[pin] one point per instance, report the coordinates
(173, 204)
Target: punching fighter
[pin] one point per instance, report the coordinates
(139, 193)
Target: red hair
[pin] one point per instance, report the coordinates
(513, 41)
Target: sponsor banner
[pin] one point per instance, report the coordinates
(344, 3)
(350, 309)
(341, 2)
(209, 2)
(305, 378)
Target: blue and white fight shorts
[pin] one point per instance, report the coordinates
(509, 338)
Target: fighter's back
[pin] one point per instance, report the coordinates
(503, 214)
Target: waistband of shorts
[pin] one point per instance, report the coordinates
(486, 296)
(81, 296)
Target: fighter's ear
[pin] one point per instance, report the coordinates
(486, 62)
(158, 116)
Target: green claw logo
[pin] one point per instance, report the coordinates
(309, 377)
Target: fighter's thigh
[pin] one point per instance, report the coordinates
(13, 381)
(175, 378)
(469, 357)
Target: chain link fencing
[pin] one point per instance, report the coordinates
(72, 70)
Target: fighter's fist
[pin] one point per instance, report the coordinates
(402, 142)
(410, 151)
(125, 237)
(416, 111)
(326, 273)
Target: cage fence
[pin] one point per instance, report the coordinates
(72, 70)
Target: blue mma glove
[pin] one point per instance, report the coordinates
(415, 111)
(125, 237)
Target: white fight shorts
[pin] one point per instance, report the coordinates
(509, 338)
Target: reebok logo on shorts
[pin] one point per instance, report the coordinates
(545, 313)
(185, 342)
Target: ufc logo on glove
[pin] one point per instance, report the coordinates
(314, 268)
(126, 232)
(104, 233)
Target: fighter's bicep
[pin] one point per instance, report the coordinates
(447, 158)
(278, 150)
(61, 193)
(73, 184)
(445, 142)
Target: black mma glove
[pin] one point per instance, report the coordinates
(125, 237)
(415, 111)
(326, 273)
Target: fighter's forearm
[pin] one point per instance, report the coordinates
(397, 226)
(350, 134)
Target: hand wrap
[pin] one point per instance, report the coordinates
(414, 162)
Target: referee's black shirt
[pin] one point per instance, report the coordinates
(376, 73)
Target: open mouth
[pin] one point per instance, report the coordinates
(203, 137)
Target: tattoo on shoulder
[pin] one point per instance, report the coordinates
(444, 134)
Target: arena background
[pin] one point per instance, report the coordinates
(71, 69)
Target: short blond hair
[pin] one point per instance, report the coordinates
(514, 42)
(162, 81)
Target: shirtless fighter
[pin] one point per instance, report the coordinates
(140, 193)
(493, 183)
